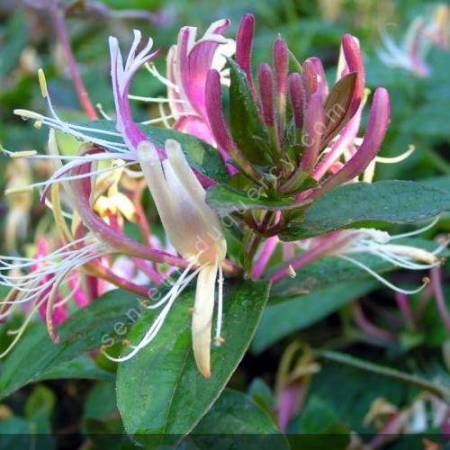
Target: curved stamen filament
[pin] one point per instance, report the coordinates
(218, 338)
(168, 302)
(382, 279)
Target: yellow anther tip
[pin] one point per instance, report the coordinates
(23, 154)
(43, 83)
(19, 190)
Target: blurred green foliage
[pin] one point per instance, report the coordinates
(341, 396)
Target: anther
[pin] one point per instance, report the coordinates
(291, 272)
(22, 154)
(42, 83)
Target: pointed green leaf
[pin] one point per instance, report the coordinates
(396, 202)
(37, 358)
(337, 106)
(199, 154)
(281, 319)
(236, 421)
(247, 128)
(225, 199)
(160, 391)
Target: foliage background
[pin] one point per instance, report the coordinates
(339, 396)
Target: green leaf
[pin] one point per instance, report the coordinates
(160, 391)
(199, 154)
(320, 427)
(261, 394)
(16, 434)
(356, 203)
(337, 106)
(36, 357)
(225, 200)
(413, 380)
(347, 392)
(14, 41)
(442, 183)
(236, 421)
(279, 320)
(247, 128)
(81, 367)
(39, 408)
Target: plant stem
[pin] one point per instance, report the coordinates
(83, 97)
(438, 161)
(438, 391)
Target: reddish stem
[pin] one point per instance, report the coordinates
(83, 97)
(436, 284)
(368, 327)
(405, 308)
(323, 247)
(108, 275)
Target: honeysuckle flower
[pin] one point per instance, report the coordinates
(111, 145)
(191, 226)
(410, 53)
(347, 243)
(188, 63)
(195, 231)
(38, 281)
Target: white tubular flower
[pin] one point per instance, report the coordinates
(195, 231)
(379, 243)
(410, 53)
(37, 281)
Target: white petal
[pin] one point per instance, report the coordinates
(202, 318)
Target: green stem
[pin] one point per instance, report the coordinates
(438, 161)
(438, 391)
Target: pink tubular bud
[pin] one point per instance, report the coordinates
(289, 401)
(354, 62)
(214, 111)
(376, 130)
(218, 125)
(309, 78)
(322, 84)
(297, 96)
(265, 79)
(244, 46)
(281, 65)
(315, 128)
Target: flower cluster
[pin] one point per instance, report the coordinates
(301, 140)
